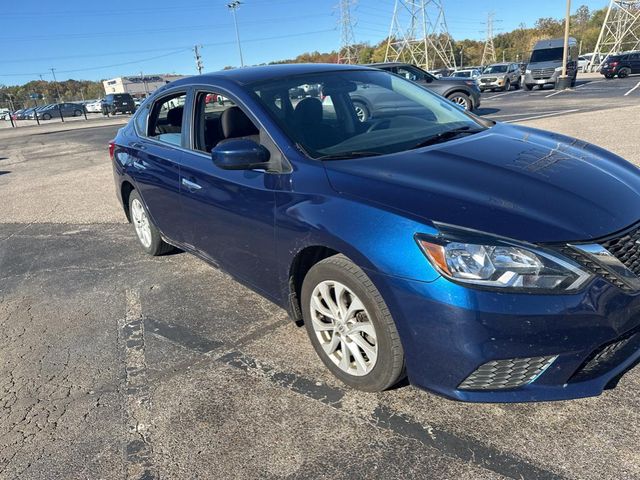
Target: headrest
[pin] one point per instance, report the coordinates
(174, 116)
(308, 111)
(236, 124)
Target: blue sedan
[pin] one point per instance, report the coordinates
(487, 262)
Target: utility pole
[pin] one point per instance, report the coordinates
(489, 51)
(144, 82)
(233, 6)
(620, 31)
(348, 52)
(419, 34)
(196, 54)
(563, 81)
(55, 82)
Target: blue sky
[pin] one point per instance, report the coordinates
(83, 41)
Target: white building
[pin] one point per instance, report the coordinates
(138, 86)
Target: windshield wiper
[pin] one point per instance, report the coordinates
(348, 155)
(447, 135)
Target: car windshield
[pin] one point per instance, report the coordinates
(465, 73)
(495, 69)
(358, 113)
(547, 55)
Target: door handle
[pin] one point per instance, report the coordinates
(139, 165)
(138, 145)
(190, 185)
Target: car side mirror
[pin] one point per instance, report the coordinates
(240, 154)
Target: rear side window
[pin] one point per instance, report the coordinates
(140, 120)
(166, 119)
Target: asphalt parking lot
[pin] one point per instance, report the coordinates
(119, 365)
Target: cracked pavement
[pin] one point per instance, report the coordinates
(114, 364)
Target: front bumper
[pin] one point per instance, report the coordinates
(450, 331)
(485, 85)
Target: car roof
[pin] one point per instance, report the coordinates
(554, 43)
(247, 75)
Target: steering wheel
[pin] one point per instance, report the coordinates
(374, 126)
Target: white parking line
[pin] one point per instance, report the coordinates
(556, 93)
(503, 94)
(590, 83)
(562, 112)
(630, 91)
(521, 114)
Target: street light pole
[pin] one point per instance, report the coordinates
(563, 81)
(233, 6)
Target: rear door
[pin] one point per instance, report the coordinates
(156, 153)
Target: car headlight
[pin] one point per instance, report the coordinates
(527, 71)
(558, 69)
(501, 264)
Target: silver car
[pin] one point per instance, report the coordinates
(500, 76)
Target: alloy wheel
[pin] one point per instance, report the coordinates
(458, 100)
(141, 223)
(344, 328)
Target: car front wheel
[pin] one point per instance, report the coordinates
(148, 235)
(350, 327)
(461, 99)
(362, 112)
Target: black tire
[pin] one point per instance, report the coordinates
(461, 99)
(77, 113)
(528, 87)
(389, 367)
(623, 73)
(362, 112)
(157, 246)
(608, 76)
(46, 116)
(507, 86)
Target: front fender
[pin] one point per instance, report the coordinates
(374, 238)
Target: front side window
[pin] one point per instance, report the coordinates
(166, 119)
(361, 113)
(218, 119)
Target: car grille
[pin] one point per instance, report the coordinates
(509, 373)
(538, 73)
(488, 80)
(626, 248)
(608, 357)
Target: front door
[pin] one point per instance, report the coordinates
(230, 212)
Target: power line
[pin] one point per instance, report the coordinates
(174, 52)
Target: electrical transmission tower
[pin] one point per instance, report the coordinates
(419, 35)
(620, 30)
(489, 51)
(348, 51)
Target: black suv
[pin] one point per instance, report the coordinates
(622, 64)
(118, 103)
(465, 93)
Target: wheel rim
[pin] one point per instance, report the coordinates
(343, 327)
(460, 101)
(360, 113)
(141, 223)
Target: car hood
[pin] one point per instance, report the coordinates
(453, 81)
(511, 181)
(492, 75)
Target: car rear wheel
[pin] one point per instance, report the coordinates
(461, 99)
(362, 112)
(148, 235)
(77, 113)
(528, 87)
(608, 75)
(46, 116)
(624, 73)
(350, 326)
